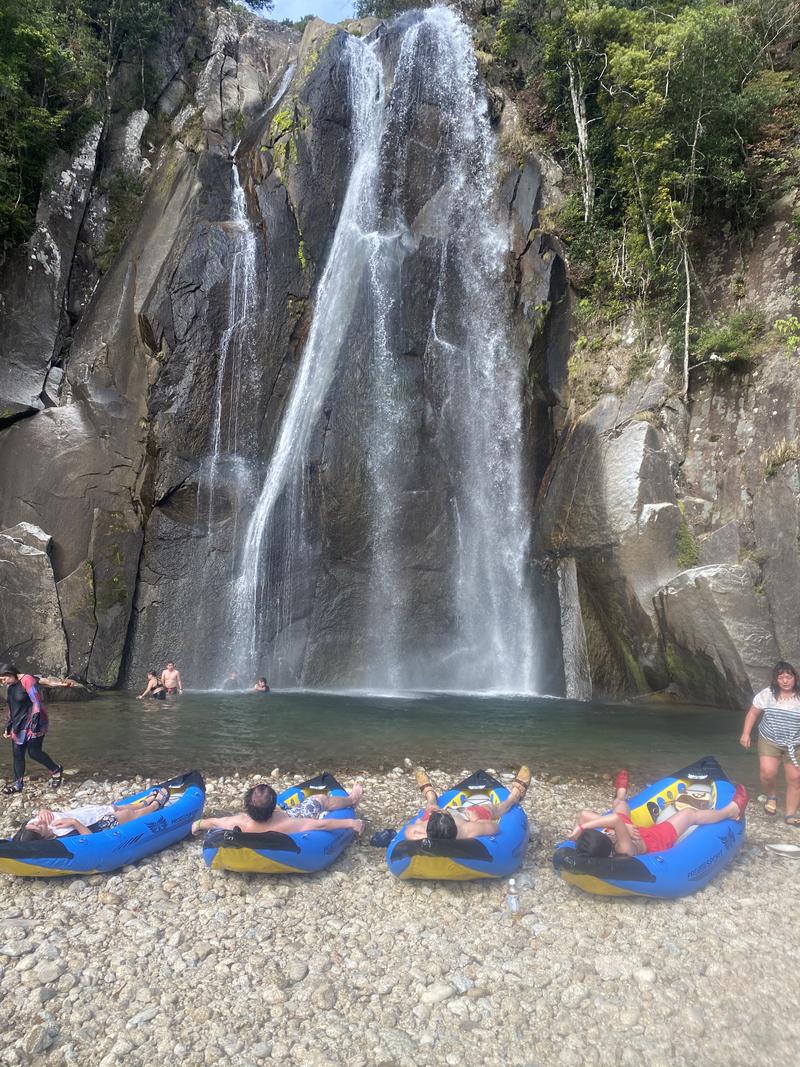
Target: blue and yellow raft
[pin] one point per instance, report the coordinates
(686, 867)
(275, 853)
(479, 857)
(107, 850)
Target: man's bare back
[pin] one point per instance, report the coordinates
(265, 816)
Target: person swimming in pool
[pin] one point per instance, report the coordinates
(262, 813)
(154, 688)
(613, 833)
(171, 680)
(469, 820)
(89, 819)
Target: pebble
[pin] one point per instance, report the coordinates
(437, 993)
(168, 961)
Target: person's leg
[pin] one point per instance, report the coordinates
(792, 775)
(768, 767)
(692, 817)
(350, 801)
(19, 762)
(516, 793)
(624, 843)
(129, 812)
(427, 790)
(36, 752)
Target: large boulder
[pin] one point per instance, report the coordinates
(31, 633)
(718, 634)
(608, 502)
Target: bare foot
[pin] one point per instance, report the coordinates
(356, 793)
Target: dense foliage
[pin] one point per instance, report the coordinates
(677, 119)
(57, 58)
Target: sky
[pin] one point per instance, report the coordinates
(330, 10)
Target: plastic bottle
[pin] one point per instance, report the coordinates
(512, 900)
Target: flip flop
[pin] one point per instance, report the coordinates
(159, 796)
(11, 789)
(792, 820)
(423, 781)
(771, 805)
(522, 781)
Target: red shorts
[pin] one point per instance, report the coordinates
(655, 838)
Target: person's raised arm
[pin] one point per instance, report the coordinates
(180, 682)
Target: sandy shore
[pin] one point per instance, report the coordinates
(168, 961)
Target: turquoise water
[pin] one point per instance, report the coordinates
(302, 732)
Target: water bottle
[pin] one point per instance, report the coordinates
(512, 900)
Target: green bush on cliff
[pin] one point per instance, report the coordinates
(675, 119)
(57, 60)
(730, 345)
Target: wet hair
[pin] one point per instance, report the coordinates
(442, 826)
(259, 802)
(594, 844)
(152, 674)
(261, 680)
(780, 667)
(8, 669)
(26, 834)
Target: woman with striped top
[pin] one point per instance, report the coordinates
(778, 738)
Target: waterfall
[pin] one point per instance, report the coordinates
(334, 304)
(472, 421)
(224, 461)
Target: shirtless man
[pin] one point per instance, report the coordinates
(477, 820)
(171, 679)
(262, 813)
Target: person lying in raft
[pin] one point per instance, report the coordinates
(262, 813)
(614, 834)
(90, 819)
(474, 820)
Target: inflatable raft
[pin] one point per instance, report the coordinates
(275, 853)
(697, 857)
(478, 857)
(109, 849)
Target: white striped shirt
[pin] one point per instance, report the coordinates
(780, 722)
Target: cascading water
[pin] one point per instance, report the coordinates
(471, 421)
(225, 461)
(266, 576)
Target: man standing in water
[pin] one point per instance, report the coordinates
(26, 726)
(171, 680)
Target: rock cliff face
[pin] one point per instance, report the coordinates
(682, 519)
(109, 405)
(665, 532)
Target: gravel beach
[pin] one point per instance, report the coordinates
(168, 961)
